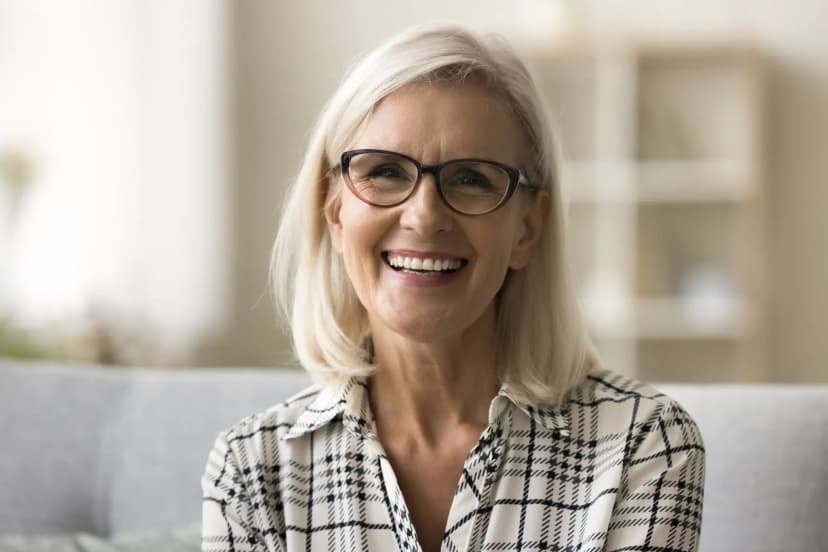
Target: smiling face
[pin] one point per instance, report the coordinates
(421, 270)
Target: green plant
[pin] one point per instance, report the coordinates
(16, 343)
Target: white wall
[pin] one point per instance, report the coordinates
(290, 55)
(124, 105)
(68, 97)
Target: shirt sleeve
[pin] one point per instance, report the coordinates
(660, 504)
(227, 514)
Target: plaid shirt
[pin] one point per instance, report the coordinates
(619, 467)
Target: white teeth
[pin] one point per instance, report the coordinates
(417, 263)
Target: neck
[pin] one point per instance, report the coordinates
(426, 390)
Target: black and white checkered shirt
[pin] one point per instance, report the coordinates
(619, 467)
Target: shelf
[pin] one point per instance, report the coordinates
(691, 318)
(596, 182)
(693, 181)
(570, 80)
(664, 179)
(672, 318)
(657, 182)
(696, 107)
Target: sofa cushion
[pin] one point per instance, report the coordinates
(157, 448)
(767, 474)
(112, 450)
(186, 539)
(105, 450)
(53, 421)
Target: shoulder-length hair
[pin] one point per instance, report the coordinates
(543, 350)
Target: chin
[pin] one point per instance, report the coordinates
(422, 329)
(423, 332)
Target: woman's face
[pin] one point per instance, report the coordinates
(434, 123)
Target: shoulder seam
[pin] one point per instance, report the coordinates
(630, 392)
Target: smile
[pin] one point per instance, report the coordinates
(423, 265)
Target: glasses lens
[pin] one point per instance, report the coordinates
(381, 178)
(473, 187)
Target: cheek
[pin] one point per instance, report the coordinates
(360, 236)
(498, 240)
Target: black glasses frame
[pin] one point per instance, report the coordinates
(515, 178)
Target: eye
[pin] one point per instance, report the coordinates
(470, 180)
(473, 179)
(389, 171)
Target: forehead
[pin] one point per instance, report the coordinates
(438, 121)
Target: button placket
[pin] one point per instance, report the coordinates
(471, 507)
(492, 467)
(397, 508)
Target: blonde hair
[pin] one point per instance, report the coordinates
(543, 348)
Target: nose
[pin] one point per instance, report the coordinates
(424, 211)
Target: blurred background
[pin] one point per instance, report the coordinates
(145, 146)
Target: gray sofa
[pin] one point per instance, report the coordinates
(100, 460)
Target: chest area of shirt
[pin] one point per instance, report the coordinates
(342, 492)
(428, 484)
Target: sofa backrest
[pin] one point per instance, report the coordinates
(113, 450)
(767, 465)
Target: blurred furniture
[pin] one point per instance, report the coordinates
(663, 169)
(116, 451)
(109, 451)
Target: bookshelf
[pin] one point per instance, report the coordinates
(664, 179)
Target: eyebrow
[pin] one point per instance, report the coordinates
(479, 157)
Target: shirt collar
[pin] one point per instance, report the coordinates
(329, 404)
(551, 418)
(349, 400)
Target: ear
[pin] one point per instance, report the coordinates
(333, 204)
(532, 223)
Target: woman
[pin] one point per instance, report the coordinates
(421, 263)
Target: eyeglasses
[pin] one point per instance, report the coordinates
(467, 186)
